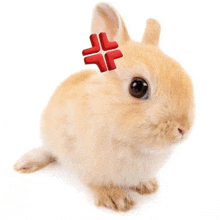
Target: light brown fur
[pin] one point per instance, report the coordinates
(146, 188)
(110, 139)
(113, 197)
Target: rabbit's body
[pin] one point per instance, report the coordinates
(112, 140)
(77, 130)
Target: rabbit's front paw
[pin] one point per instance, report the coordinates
(112, 197)
(146, 188)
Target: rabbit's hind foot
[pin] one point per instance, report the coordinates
(33, 160)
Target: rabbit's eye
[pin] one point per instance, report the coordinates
(138, 88)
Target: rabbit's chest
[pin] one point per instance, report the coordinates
(131, 169)
(123, 167)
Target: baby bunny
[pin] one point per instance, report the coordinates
(116, 129)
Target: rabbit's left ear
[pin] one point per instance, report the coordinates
(107, 19)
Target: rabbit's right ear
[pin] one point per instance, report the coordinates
(107, 19)
(152, 32)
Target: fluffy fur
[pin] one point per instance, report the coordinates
(112, 140)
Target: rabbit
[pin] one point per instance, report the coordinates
(116, 129)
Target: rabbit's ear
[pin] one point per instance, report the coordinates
(152, 32)
(107, 19)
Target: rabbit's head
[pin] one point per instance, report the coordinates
(148, 99)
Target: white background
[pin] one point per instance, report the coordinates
(41, 44)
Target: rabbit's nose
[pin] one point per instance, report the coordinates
(180, 131)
